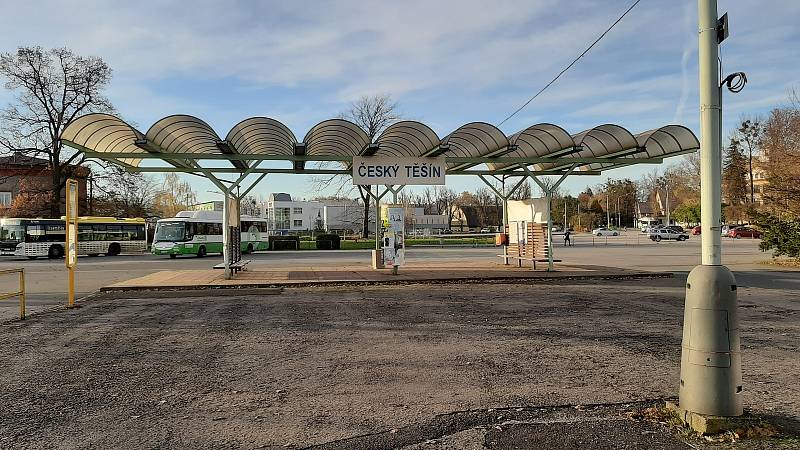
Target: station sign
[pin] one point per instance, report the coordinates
(370, 170)
(72, 223)
(394, 242)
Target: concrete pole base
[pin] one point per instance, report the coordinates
(706, 424)
(377, 259)
(711, 366)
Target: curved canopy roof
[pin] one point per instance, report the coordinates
(665, 141)
(261, 135)
(105, 133)
(407, 138)
(542, 140)
(185, 141)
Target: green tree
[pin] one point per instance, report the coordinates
(734, 174)
(687, 213)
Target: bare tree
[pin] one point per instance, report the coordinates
(521, 193)
(444, 200)
(53, 87)
(372, 114)
(125, 194)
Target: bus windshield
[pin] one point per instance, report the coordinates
(170, 231)
(12, 233)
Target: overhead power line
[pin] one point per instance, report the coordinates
(572, 63)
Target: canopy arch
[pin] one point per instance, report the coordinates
(335, 137)
(103, 133)
(474, 139)
(669, 140)
(261, 135)
(603, 141)
(407, 138)
(540, 140)
(183, 134)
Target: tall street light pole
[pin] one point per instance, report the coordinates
(711, 374)
(608, 193)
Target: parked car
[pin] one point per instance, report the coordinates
(727, 228)
(603, 231)
(696, 230)
(677, 228)
(486, 230)
(741, 232)
(661, 234)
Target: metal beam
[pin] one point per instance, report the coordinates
(346, 158)
(247, 191)
(224, 170)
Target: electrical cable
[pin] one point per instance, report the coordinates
(735, 82)
(571, 64)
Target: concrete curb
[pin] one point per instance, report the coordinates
(549, 277)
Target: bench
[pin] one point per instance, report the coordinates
(528, 258)
(235, 266)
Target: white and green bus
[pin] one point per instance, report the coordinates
(35, 238)
(200, 233)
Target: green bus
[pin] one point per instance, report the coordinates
(200, 233)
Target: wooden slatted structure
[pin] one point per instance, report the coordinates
(535, 248)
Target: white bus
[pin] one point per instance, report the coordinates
(96, 235)
(200, 233)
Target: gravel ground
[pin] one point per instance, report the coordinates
(316, 365)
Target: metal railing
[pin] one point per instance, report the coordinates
(20, 293)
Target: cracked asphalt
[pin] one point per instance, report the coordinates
(322, 366)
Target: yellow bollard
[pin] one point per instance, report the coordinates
(22, 294)
(71, 298)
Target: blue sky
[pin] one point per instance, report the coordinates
(446, 62)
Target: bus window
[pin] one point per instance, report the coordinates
(113, 232)
(170, 231)
(12, 233)
(214, 228)
(134, 232)
(85, 232)
(191, 230)
(99, 232)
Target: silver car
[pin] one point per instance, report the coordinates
(659, 234)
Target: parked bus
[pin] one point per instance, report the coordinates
(200, 233)
(96, 235)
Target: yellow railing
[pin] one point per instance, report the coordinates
(20, 293)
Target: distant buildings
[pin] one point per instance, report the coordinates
(31, 177)
(760, 181)
(342, 216)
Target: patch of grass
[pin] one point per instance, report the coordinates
(783, 262)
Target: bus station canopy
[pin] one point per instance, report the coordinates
(190, 145)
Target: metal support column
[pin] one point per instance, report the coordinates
(504, 196)
(548, 190)
(711, 374)
(377, 198)
(226, 259)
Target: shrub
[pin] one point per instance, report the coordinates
(782, 236)
(328, 242)
(284, 242)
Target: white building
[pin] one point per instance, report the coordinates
(286, 215)
(345, 216)
(418, 222)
